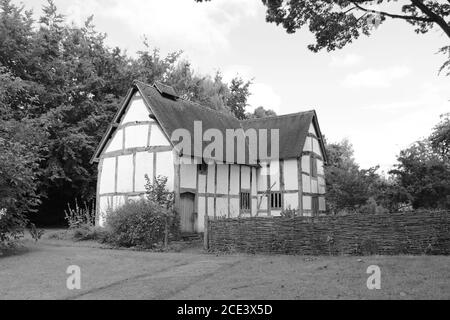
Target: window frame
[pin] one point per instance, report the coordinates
(245, 201)
(276, 200)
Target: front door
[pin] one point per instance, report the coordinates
(187, 218)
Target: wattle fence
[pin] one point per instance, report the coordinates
(360, 234)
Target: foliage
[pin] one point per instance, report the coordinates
(260, 112)
(147, 222)
(80, 216)
(158, 193)
(288, 213)
(239, 93)
(337, 23)
(60, 86)
(424, 175)
(137, 223)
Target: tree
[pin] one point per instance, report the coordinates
(63, 84)
(239, 93)
(336, 23)
(440, 138)
(425, 175)
(260, 112)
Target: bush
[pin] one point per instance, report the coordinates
(80, 216)
(140, 224)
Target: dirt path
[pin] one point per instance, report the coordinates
(40, 273)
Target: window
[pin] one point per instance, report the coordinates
(245, 201)
(275, 200)
(313, 166)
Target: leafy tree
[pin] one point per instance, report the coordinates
(336, 23)
(64, 85)
(440, 138)
(239, 93)
(260, 112)
(424, 175)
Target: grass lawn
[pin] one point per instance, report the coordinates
(39, 272)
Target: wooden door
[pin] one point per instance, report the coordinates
(187, 218)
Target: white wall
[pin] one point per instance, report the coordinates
(165, 167)
(116, 141)
(188, 176)
(290, 169)
(136, 136)
(144, 166)
(222, 179)
(136, 110)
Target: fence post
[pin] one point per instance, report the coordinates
(205, 233)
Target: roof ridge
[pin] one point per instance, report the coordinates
(194, 104)
(280, 116)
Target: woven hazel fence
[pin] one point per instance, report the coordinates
(388, 234)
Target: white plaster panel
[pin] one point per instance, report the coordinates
(316, 147)
(125, 173)
(201, 183)
(306, 203)
(263, 202)
(245, 177)
(308, 144)
(234, 179)
(211, 177)
(275, 213)
(254, 179)
(107, 175)
(188, 175)
(320, 167)
(136, 110)
(144, 166)
(221, 207)
(157, 137)
(306, 164)
(290, 174)
(314, 186)
(234, 208)
(211, 206)
(222, 179)
(136, 136)
(165, 167)
(291, 201)
(306, 181)
(262, 179)
(116, 142)
(275, 175)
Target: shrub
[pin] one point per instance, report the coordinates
(80, 216)
(139, 224)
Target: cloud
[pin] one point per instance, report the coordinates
(373, 78)
(243, 71)
(345, 61)
(198, 28)
(264, 95)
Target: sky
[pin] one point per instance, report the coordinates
(382, 92)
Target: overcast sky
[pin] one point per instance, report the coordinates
(383, 92)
